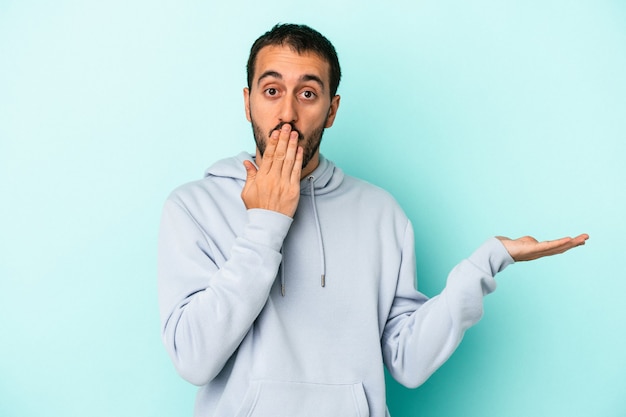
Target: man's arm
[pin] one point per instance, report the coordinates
(208, 302)
(208, 305)
(422, 333)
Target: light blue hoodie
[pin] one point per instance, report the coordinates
(273, 316)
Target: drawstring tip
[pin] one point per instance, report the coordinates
(282, 290)
(323, 280)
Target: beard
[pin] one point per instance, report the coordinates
(310, 143)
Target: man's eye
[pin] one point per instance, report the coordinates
(271, 91)
(308, 94)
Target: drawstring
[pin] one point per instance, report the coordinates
(319, 232)
(282, 275)
(319, 240)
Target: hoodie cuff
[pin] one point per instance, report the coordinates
(267, 228)
(491, 257)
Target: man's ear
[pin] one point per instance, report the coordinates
(246, 102)
(332, 112)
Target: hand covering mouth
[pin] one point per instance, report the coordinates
(293, 128)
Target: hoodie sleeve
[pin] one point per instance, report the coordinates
(207, 310)
(421, 333)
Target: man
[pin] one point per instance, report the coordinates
(285, 285)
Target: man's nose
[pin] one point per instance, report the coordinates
(288, 110)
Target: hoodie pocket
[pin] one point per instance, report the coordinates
(294, 399)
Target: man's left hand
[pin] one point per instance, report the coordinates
(528, 248)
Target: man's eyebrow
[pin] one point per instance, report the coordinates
(304, 78)
(269, 73)
(312, 77)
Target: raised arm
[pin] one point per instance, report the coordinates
(214, 281)
(422, 333)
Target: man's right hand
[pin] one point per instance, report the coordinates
(276, 184)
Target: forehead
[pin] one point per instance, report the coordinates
(290, 64)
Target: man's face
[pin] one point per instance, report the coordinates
(291, 88)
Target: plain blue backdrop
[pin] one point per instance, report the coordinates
(481, 117)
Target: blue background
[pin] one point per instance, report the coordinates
(481, 117)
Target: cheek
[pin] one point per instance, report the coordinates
(319, 121)
(313, 115)
(261, 112)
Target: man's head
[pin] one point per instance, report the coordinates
(293, 76)
(301, 39)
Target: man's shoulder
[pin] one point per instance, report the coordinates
(371, 194)
(223, 178)
(365, 186)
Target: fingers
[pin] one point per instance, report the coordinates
(280, 152)
(296, 172)
(534, 249)
(270, 150)
(581, 239)
(554, 247)
(528, 248)
(289, 155)
(250, 170)
(276, 184)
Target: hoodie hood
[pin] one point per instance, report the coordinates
(326, 177)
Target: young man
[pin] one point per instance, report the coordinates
(285, 285)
